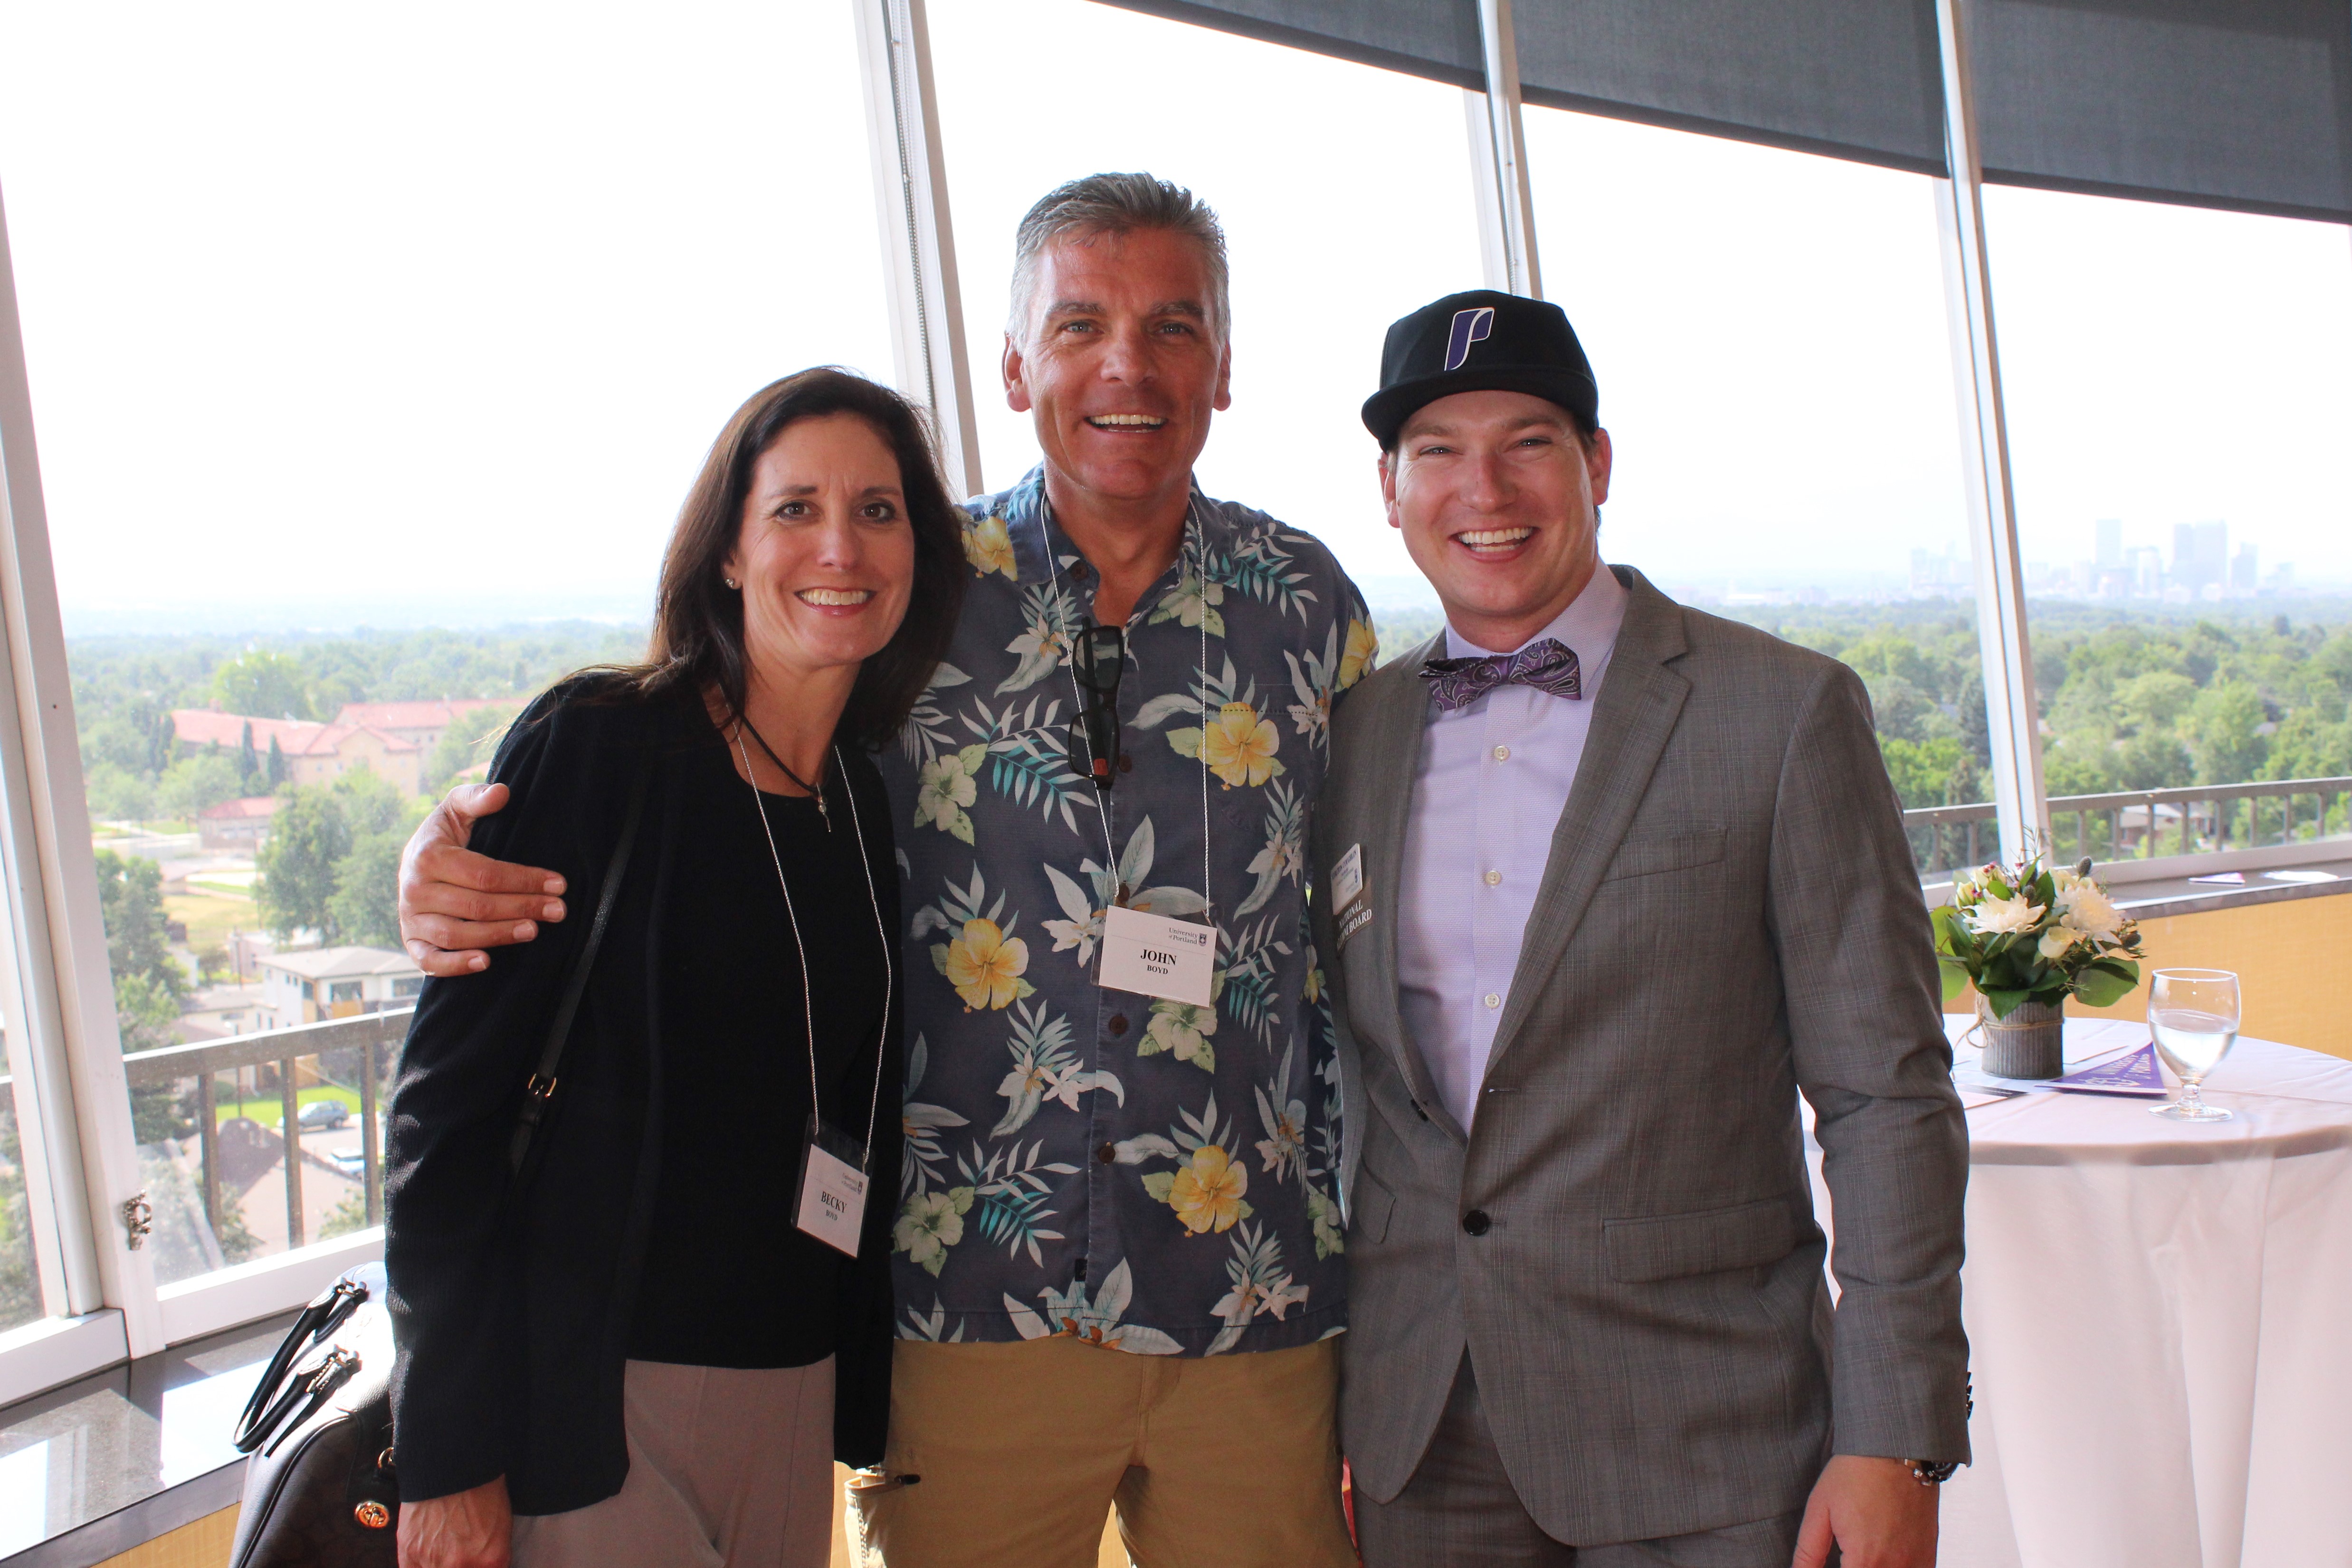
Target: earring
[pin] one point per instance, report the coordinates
(730, 582)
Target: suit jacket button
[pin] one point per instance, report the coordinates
(1475, 1222)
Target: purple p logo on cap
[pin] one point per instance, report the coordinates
(1470, 326)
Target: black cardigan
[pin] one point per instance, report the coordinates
(513, 1307)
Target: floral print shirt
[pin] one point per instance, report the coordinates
(1138, 1171)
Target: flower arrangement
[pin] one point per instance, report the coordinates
(2028, 933)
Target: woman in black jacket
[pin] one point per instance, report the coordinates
(637, 1333)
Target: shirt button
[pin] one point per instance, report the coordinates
(1494, 999)
(1494, 879)
(1476, 1223)
(1118, 1024)
(1502, 754)
(1108, 1154)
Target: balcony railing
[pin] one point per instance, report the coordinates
(371, 1034)
(2137, 824)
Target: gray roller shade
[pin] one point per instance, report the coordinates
(1433, 39)
(1854, 78)
(2243, 104)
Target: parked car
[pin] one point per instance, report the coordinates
(319, 1116)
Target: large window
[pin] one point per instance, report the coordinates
(1768, 331)
(370, 350)
(1346, 197)
(2179, 395)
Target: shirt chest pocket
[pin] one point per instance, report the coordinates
(1676, 851)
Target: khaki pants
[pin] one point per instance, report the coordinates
(727, 1469)
(1226, 1461)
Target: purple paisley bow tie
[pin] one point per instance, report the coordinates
(1548, 666)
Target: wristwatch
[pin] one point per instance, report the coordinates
(1936, 1472)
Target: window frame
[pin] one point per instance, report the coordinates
(81, 1161)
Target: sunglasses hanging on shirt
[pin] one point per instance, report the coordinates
(1098, 660)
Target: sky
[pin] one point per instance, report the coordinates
(339, 315)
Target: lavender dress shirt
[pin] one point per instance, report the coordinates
(1493, 780)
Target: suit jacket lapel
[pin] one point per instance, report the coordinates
(1391, 751)
(1632, 719)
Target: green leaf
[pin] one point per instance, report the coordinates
(2105, 982)
(1157, 1182)
(1186, 742)
(2006, 1000)
(962, 826)
(939, 957)
(972, 756)
(1955, 977)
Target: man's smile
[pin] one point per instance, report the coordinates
(1493, 542)
(1126, 421)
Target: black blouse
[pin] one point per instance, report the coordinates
(654, 1217)
(730, 1279)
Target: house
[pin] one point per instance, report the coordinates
(422, 722)
(235, 824)
(315, 752)
(335, 983)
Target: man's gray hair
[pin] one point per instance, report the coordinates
(1116, 205)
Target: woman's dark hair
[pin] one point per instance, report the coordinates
(698, 636)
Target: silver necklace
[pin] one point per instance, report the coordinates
(791, 919)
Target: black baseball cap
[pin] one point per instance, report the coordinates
(1481, 341)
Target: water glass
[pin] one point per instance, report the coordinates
(2193, 1014)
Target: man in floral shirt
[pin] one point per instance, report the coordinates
(1118, 1248)
(1092, 1167)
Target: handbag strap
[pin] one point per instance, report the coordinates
(540, 1090)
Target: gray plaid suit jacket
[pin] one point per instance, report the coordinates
(1729, 915)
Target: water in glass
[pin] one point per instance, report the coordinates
(2193, 1014)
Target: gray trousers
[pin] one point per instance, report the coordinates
(727, 1469)
(1459, 1511)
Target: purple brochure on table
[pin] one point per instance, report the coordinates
(2137, 1075)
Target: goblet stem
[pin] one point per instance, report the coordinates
(2192, 1095)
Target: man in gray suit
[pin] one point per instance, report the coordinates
(1604, 883)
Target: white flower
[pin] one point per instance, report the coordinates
(1996, 915)
(2058, 940)
(947, 788)
(2084, 905)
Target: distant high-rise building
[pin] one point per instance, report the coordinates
(2200, 556)
(2110, 546)
(2245, 570)
(2145, 563)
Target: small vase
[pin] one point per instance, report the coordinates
(2028, 1043)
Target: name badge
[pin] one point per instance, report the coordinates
(1158, 957)
(1347, 879)
(833, 1188)
(1350, 910)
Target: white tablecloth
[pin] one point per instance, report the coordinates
(2160, 1322)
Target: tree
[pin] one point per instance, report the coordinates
(249, 764)
(193, 783)
(277, 765)
(263, 683)
(131, 905)
(117, 795)
(366, 905)
(307, 836)
(2223, 731)
(468, 741)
